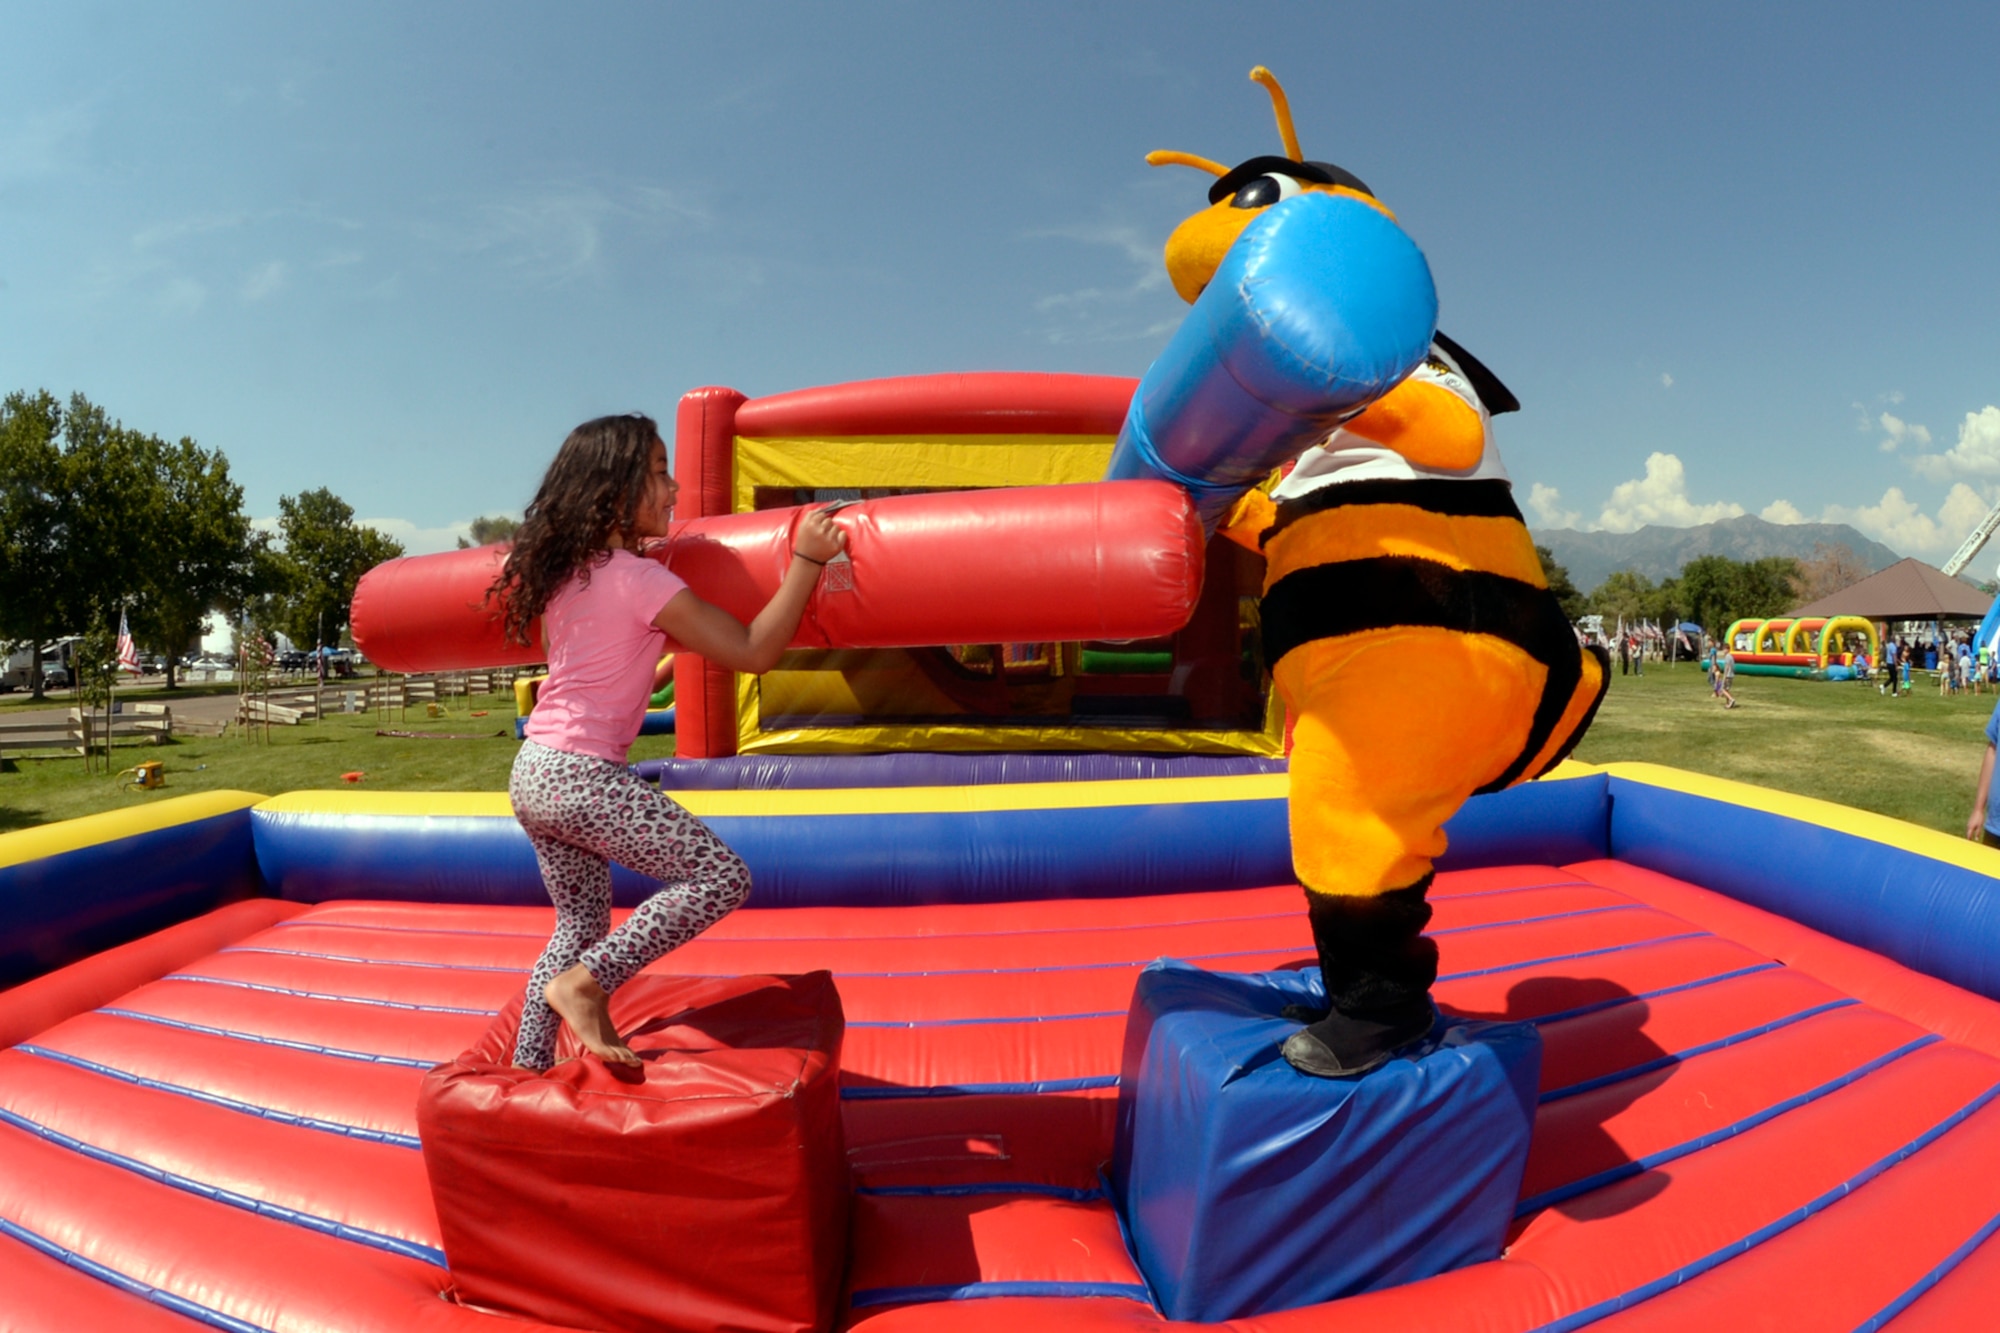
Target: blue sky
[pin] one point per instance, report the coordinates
(1731, 258)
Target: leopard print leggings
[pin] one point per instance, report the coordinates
(582, 813)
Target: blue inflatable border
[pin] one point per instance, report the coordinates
(1928, 906)
(1928, 914)
(826, 860)
(905, 859)
(59, 908)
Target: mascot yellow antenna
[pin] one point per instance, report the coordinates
(1164, 157)
(1281, 105)
(1161, 157)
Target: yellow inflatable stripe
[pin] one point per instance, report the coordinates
(412, 804)
(915, 460)
(1823, 814)
(829, 801)
(93, 830)
(849, 800)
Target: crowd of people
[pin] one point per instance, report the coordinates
(1960, 666)
(1954, 659)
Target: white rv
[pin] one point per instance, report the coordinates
(15, 674)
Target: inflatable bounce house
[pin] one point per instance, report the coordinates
(1023, 1024)
(1814, 648)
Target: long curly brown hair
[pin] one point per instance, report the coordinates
(592, 490)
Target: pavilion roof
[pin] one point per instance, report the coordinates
(1906, 590)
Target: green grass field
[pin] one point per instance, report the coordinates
(312, 754)
(1915, 758)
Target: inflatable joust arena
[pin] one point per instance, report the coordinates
(1173, 905)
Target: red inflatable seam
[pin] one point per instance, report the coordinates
(1938, 1006)
(34, 1006)
(974, 403)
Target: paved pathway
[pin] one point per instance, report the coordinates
(194, 707)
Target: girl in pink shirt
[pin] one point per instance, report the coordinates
(606, 613)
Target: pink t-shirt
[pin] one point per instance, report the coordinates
(602, 652)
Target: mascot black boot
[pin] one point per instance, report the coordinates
(1378, 968)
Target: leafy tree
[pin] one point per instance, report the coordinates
(1767, 586)
(93, 668)
(1572, 601)
(1626, 595)
(112, 497)
(486, 531)
(95, 516)
(199, 549)
(33, 522)
(1707, 588)
(1826, 572)
(326, 553)
(267, 585)
(1715, 591)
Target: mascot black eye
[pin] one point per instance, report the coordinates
(1265, 191)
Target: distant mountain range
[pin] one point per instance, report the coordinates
(1658, 553)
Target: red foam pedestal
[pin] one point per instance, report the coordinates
(707, 1190)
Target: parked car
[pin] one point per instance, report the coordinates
(55, 676)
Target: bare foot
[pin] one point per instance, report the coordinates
(582, 1003)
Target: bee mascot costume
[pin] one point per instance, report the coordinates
(1405, 615)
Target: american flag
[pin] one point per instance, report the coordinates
(128, 652)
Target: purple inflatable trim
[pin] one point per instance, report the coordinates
(765, 772)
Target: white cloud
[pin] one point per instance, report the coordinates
(181, 295)
(556, 233)
(1666, 380)
(1545, 504)
(164, 234)
(265, 280)
(1899, 522)
(1977, 453)
(154, 265)
(1896, 433)
(1117, 313)
(419, 540)
(1139, 246)
(416, 539)
(1659, 497)
(1895, 520)
(45, 142)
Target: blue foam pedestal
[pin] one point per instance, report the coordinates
(1248, 1187)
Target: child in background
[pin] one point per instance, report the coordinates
(607, 612)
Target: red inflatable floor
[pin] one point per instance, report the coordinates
(1726, 1140)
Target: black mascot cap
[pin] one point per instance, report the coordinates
(1320, 173)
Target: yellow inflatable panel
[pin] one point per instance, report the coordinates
(91, 830)
(821, 801)
(916, 461)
